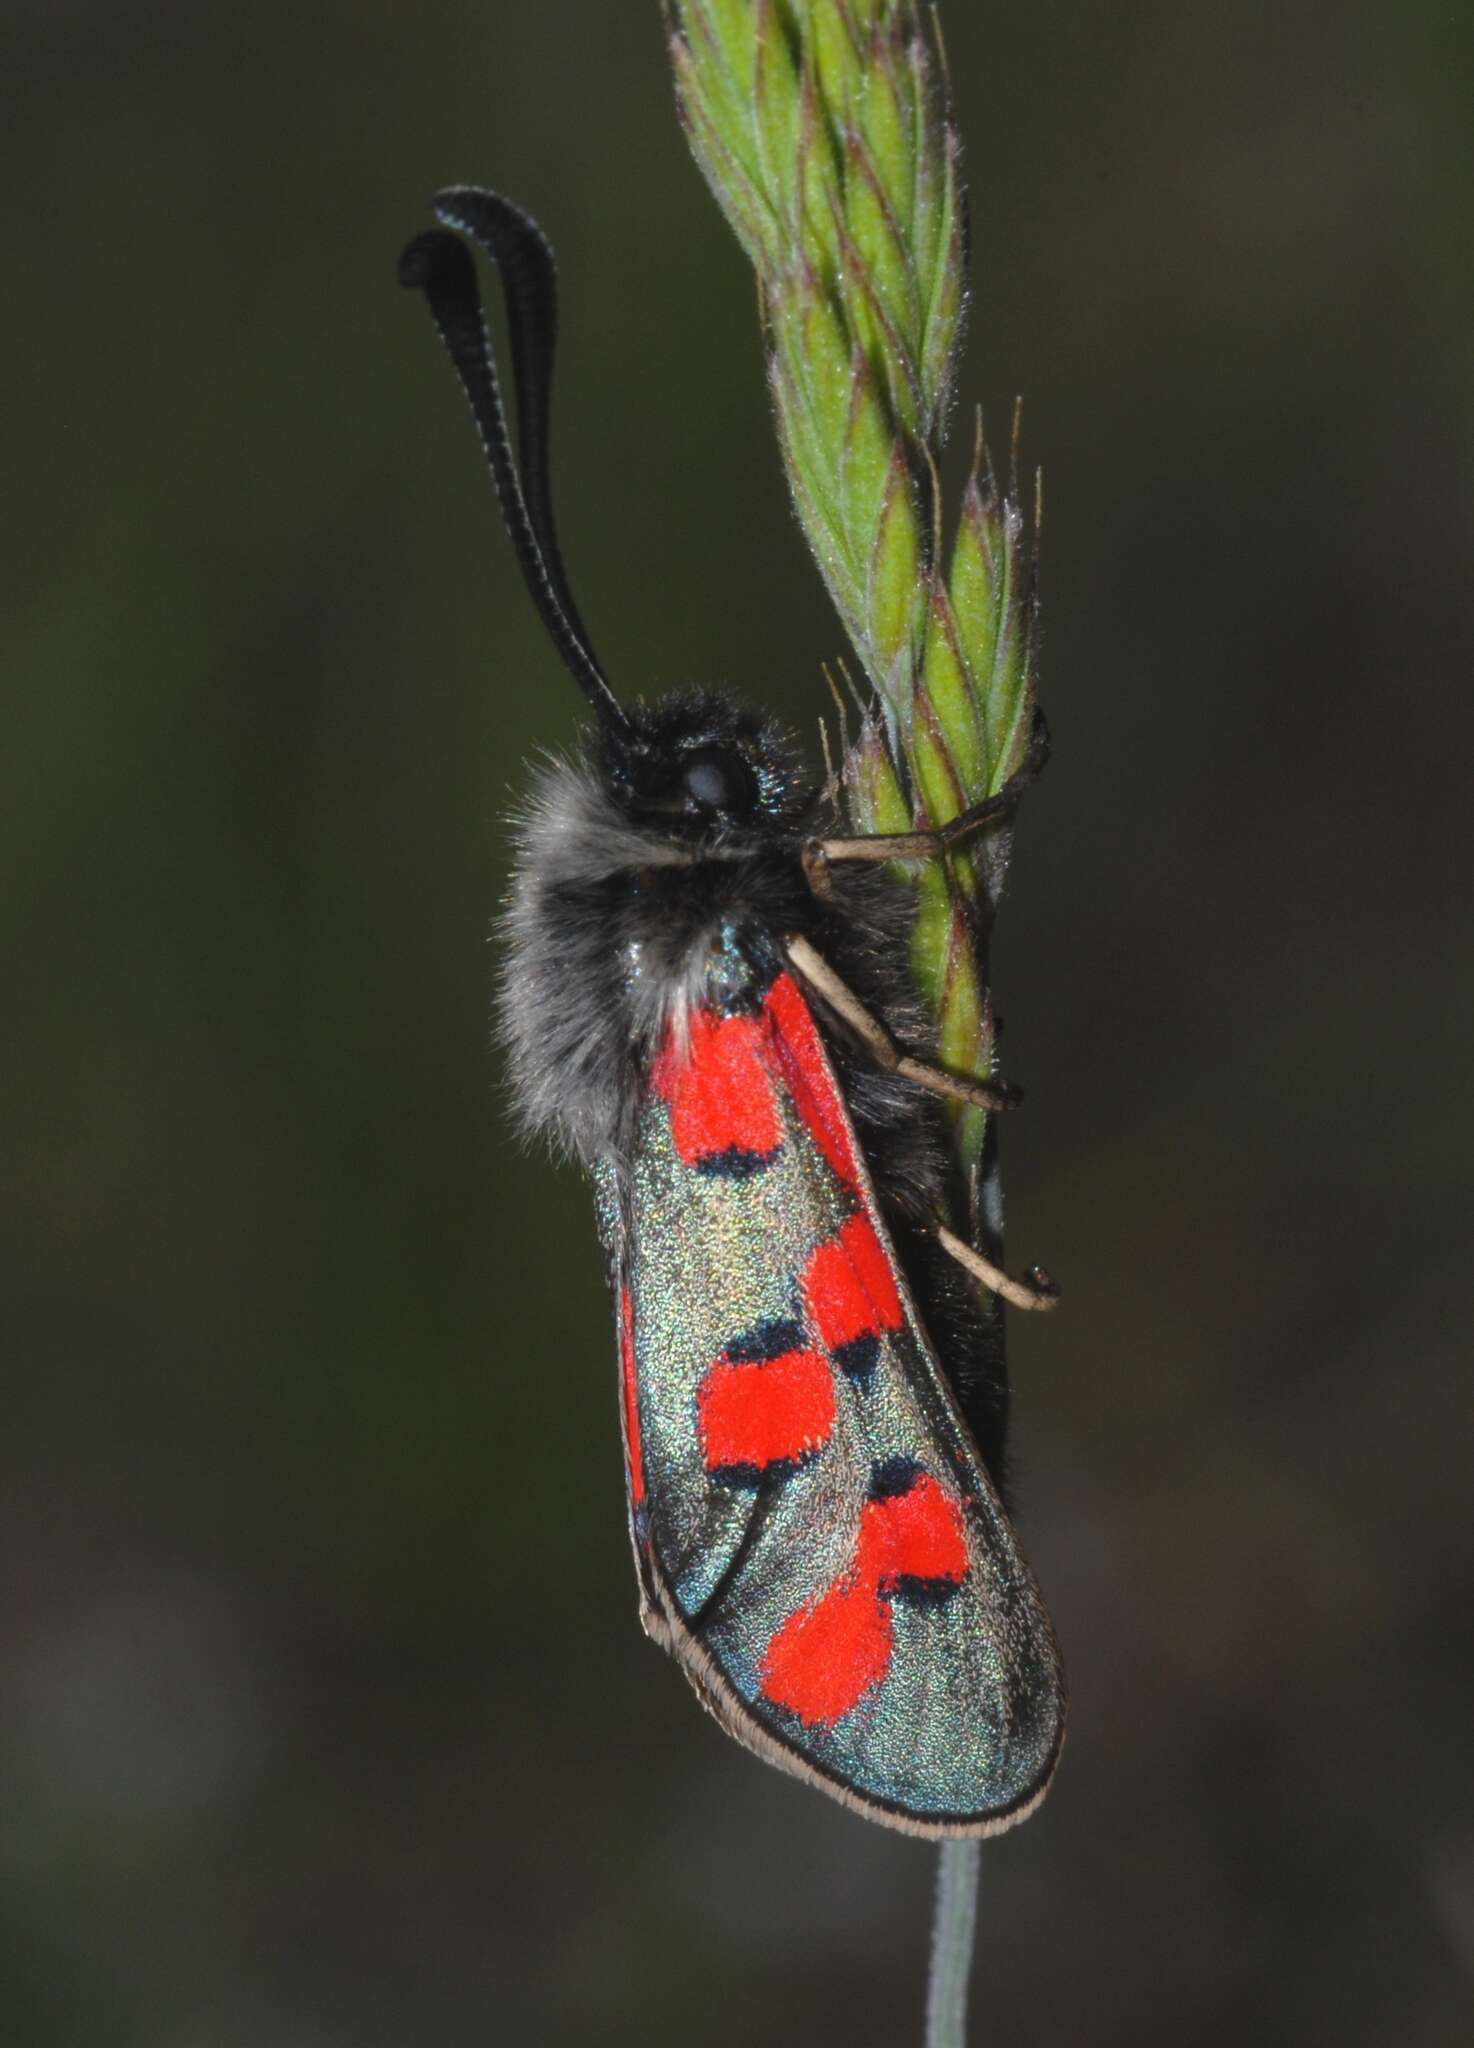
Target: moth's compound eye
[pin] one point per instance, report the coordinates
(717, 779)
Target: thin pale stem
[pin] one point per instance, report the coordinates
(954, 1922)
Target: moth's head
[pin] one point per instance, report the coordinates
(698, 764)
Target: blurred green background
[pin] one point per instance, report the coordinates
(324, 1716)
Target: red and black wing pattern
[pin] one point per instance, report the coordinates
(816, 1536)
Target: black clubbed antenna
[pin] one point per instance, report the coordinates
(440, 265)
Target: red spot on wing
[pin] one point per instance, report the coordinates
(631, 1399)
(719, 1090)
(752, 1415)
(826, 1657)
(913, 1535)
(805, 1068)
(849, 1286)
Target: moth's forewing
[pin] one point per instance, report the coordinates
(935, 1703)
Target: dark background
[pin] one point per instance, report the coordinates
(326, 1719)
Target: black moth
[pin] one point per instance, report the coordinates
(696, 966)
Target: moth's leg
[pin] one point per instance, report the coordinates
(929, 845)
(821, 977)
(1037, 1290)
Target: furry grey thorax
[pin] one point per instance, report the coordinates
(609, 935)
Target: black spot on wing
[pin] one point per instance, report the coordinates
(734, 1163)
(756, 1478)
(763, 1342)
(914, 1592)
(858, 1358)
(894, 1476)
